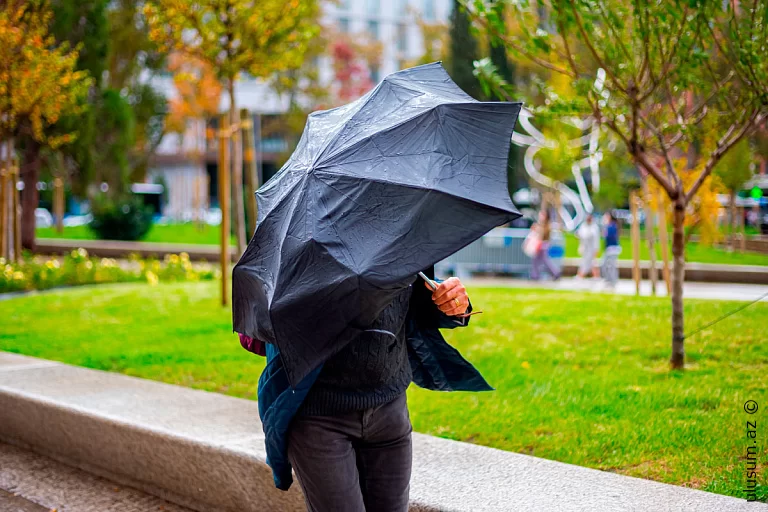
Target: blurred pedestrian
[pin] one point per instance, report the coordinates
(541, 232)
(612, 249)
(589, 246)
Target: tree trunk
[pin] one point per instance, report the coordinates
(29, 196)
(237, 171)
(677, 360)
(732, 220)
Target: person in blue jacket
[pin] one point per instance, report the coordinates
(345, 428)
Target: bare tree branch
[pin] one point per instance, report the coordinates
(723, 145)
(510, 43)
(666, 67)
(616, 35)
(598, 60)
(664, 148)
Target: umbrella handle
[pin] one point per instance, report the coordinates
(428, 281)
(432, 285)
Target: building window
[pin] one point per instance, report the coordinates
(375, 74)
(373, 29)
(344, 25)
(373, 7)
(402, 38)
(429, 10)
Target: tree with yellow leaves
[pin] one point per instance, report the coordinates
(236, 36)
(198, 92)
(39, 83)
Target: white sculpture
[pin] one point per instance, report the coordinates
(535, 141)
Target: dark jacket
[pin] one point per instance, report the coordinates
(434, 363)
(611, 235)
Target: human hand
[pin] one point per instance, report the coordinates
(450, 296)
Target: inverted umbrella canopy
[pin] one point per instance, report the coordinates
(376, 191)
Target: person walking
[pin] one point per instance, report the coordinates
(350, 442)
(328, 287)
(589, 245)
(612, 250)
(345, 430)
(542, 231)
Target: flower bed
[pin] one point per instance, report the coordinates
(76, 268)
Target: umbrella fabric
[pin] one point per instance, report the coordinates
(376, 191)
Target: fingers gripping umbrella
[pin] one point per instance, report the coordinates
(376, 191)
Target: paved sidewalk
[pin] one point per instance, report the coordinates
(32, 483)
(720, 291)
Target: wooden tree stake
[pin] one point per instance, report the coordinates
(16, 213)
(4, 196)
(58, 203)
(650, 234)
(224, 194)
(742, 230)
(633, 200)
(663, 240)
(251, 172)
(237, 179)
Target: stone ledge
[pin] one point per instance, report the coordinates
(121, 249)
(694, 272)
(204, 451)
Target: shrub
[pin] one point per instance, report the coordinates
(122, 219)
(76, 268)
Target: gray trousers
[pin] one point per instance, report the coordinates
(541, 259)
(354, 462)
(611, 268)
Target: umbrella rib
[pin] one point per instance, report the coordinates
(366, 138)
(413, 186)
(320, 162)
(278, 203)
(336, 136)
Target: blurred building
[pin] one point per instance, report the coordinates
(187, 164)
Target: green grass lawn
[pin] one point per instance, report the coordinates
(694, 252)
(187, 233)
(580, 378)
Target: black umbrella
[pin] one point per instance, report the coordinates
(376, 191)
